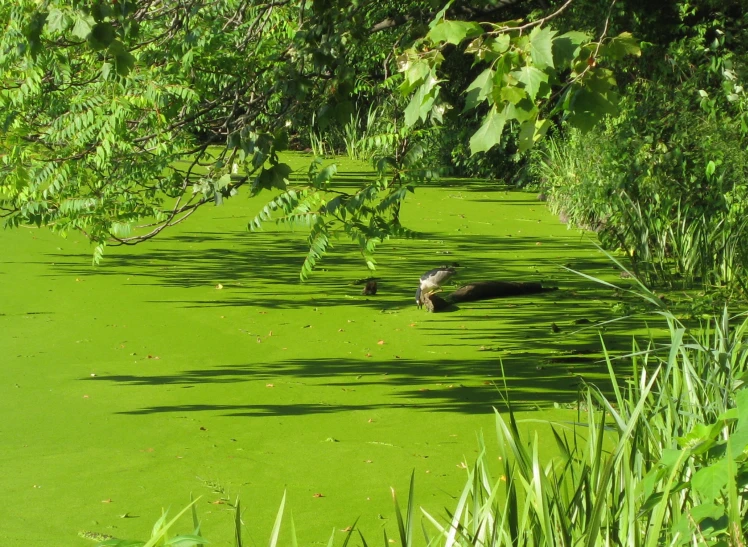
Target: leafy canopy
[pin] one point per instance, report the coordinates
(528, 67)
(121, 118)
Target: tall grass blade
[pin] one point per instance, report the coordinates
(405, 526)
(238, 524)
(349, 533)
(653, 533)
(294, 541)
(278, 519)
(195, 519)
(600, 497)
(160, 529)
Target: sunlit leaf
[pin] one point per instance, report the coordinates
(57, 20)
(709, 481)
(454, 32)
(512, 94)
(526, 134)
(541, 47)
(489, 133)
(566, 47)
(620, 46)
(479, 89)
(82, 26)
(532, 78)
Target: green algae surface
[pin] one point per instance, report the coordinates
(198, 363)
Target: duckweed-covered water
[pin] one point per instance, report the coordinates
(198, 363)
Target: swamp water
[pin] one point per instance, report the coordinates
(198, 363)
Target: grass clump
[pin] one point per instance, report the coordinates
(663, 461)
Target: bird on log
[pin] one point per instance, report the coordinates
(432, 281)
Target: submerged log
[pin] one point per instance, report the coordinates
(483, 290)
(434, 302)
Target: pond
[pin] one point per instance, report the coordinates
(198, 363)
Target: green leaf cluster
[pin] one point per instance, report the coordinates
(367, 216)
(119, 125)
(531, 74)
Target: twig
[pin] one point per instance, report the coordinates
(535, 23)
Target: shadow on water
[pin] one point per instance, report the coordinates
(256, 270)
(468, 386)
(546, 343)
(268, 259)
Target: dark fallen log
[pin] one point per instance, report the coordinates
(483, 290)
(434, 302)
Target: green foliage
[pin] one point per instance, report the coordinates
(121, 120)
(664, 181)
(527, 67)
(367, 216)
(668, 178)
(107, 129)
